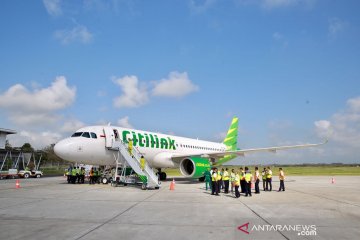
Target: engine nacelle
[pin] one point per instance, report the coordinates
(194, 167)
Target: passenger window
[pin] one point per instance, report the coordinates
(77, 134)
(86, 135)
(93, 135)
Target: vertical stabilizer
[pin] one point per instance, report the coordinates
(231, 137)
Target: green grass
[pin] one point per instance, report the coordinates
(48, 171)
(290, 170)
(316, 170)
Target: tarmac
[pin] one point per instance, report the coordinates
(49, 208)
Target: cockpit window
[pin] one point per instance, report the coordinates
(77, 134)
(86, 134)
(93, 135)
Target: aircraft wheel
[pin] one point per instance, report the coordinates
(104, 180)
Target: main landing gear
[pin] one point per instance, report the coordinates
(162, 175)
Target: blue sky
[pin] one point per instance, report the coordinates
(289, 69)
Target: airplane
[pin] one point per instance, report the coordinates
(90, 145)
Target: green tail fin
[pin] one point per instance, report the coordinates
(230, 141)
(231, 137)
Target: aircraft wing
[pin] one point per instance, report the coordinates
(242, 152)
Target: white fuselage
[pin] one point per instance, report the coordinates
(88, 145)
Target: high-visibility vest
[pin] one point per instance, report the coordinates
(281, 175)
(232, 177)
(142, 163)
(237, 180)
(73, 172)
(83, 172)
(263, 173)
(78, 171)
(91, 173)
(269, 174)
(130, 146)
(242, 175)
(248, 177)
(214, 177)
(218, 176)
(226, 176)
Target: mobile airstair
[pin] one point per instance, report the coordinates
(124, 159)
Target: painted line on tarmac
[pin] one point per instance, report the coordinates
(257, 214)
(327, 198)
(119, 214)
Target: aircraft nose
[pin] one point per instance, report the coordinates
(61, 149)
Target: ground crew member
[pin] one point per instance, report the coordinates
(96, 175)
(237, 184)
(242, 181)
(68, 174)
(248, 178)
(78, 177)
(214, 188)
(268, 179)
(130, 146)
(207, 177)
(82, 174)
(91, 176)
(257, 180)
(219, 181)
(263, 174)
(142, 163)
(281, 178)
(226, 178)
(232, 180)
(73, 175)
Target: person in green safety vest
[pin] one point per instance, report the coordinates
(78, 174)
(142, 163)
(232, 180)
(68, 174)
(237, 184)
(268, 179)
(207, 176)
(73, 175)
(263, 174)
(214, 182)
(96, 175)
(248, 179)
(130, 146)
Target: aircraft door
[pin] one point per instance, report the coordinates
(109, 137)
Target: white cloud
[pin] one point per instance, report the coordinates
(124, 122)
(134, 93)
(343, 128)
(77, 34)
(72, 125)
(336, 26)
(37, 106)
(200, 6)
(275, 4)
(176, 85)
(53, 7)
(38, 140)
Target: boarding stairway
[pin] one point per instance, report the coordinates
(122, 156)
